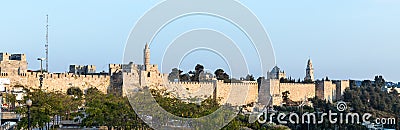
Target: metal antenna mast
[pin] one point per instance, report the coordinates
(47, 43)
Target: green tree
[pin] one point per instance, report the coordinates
(111, 111)
(221, 75)
(285, 96)
(379, 81)
(175, 74)
(75, 91)
(92, 91)
(198, 69)
(184, 77)
(370, 98)
(250, 77)
(11, 99)
(44, 106)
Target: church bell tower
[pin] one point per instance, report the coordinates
(309, 71)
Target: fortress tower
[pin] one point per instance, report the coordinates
(309, 71)
(146, 55)
(13, 64)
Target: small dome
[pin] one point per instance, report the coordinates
(276, 69)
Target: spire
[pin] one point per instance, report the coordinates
(309, 64)
(146, 46)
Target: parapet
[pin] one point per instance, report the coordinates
(191, 83)
(8, 56)
(3, 74)
(115, 66)
(297, 83)
(67, 75)
(252, 83)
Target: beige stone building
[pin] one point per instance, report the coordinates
(82, 69)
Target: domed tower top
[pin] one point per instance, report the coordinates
(146, 54)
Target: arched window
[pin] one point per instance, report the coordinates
(148, 74)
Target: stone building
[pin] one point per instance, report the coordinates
(13, 64)
(82, 69)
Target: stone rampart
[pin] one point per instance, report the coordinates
(60, 81)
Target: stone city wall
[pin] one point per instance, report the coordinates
(232, 93)
(237, 93)
(191, 89)
(60, 81)
(298, 91)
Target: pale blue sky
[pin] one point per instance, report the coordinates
(345, 39)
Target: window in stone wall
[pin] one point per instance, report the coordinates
(148, 74)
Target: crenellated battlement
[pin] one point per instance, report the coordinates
(297, 84)
(191, 83)
(247, 83)
(130, 74)
(254, 83)
(3, 74)
(22, 74)
(115, 65)
(63, 75)
(241, 84)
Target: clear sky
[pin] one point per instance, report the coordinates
(346, 39)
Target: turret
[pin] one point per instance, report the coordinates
(4, 57)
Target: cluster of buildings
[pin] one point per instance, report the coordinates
(273, 87)
(123, 78)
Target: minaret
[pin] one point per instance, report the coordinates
(309, 71)
(146, 55)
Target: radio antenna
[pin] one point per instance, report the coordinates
(47, 43)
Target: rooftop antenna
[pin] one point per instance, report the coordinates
(47, 43)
